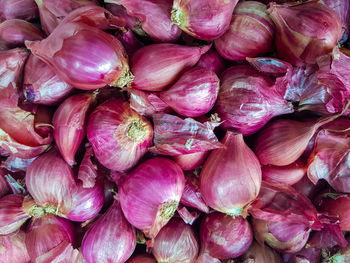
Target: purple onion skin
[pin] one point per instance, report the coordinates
(225, 237)
(20, 9)
(194, 94)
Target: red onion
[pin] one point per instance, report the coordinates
(247, 100)
(20, 9)
(118, 135)
(45, 233)
(223, 173)
(305, 31)
(307, 188)
(41, 85)
(129, 41)
(288, 175)
(176, 242)
(203, 19)
(282, 236)
(211, 60)
(250, 33)
(306, 255)
(52, 13)
(260, 254)
(154, 16)
(69, 121)
(330, 236)
(13, 247)
(175, 136)
(144, 258)
(4, 187)
(14, 32)
(147, 103)
(224, 236)
(158, 66)
(11, 64)
(194, 93)
(150, 194)
(192, 196)
(13, 213)
(110, 239)
(191, 161)
(103, 63)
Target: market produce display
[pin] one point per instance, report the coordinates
(174, 131)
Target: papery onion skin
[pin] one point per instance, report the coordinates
(250, 33)
(176, 242)
(194, 93)
(224, 171)
(211, 60)
(50, 181)
(13, 247)
(191, 161)
(118, 135)
(289, 174)
(20, 9)
(291, 238)
(64, 51)
(150, 194)
(4, 188)
(305, 31)
(45, 233)
(144, 258)
(154, 16)
(157, 66)
(69, 121)
(130, 42)
(247, 100)
(12, 213)
(205, 20)
(110, 239)
(224, 236)
(41, 85)
(14, 32)
(260, 254)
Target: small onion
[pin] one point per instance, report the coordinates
(150, 194)
(20, 9)
(224, 236)
(225, 170)
(110, 239)
(176, 242)
(157, 66)
(13, 248)
(203, 19)
(118, 135)
(250, 33)
(194, 93)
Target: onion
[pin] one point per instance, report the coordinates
(158, 66)
(14, 32)
(150, 194)
(247, 100)
(51, 14)
(206, 20)
(154, 16)
(69, 121)
(45, 233)
(212, 61)
(288, 175)
(88, 169)
(305, 31)
(13, 213)
(144, 258)
(41, 85)
(192, 196)
(250, 33)
(194, 93)
(225, 170)
(64, 50)
(260, 254)
(130, 42)
(191, 161)
(224, 236)
(306, 255)
(13, 247)
(176, 242)
(20, 9)
(175, 136)
(118, 135)
(282, 236)
(110, 239)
